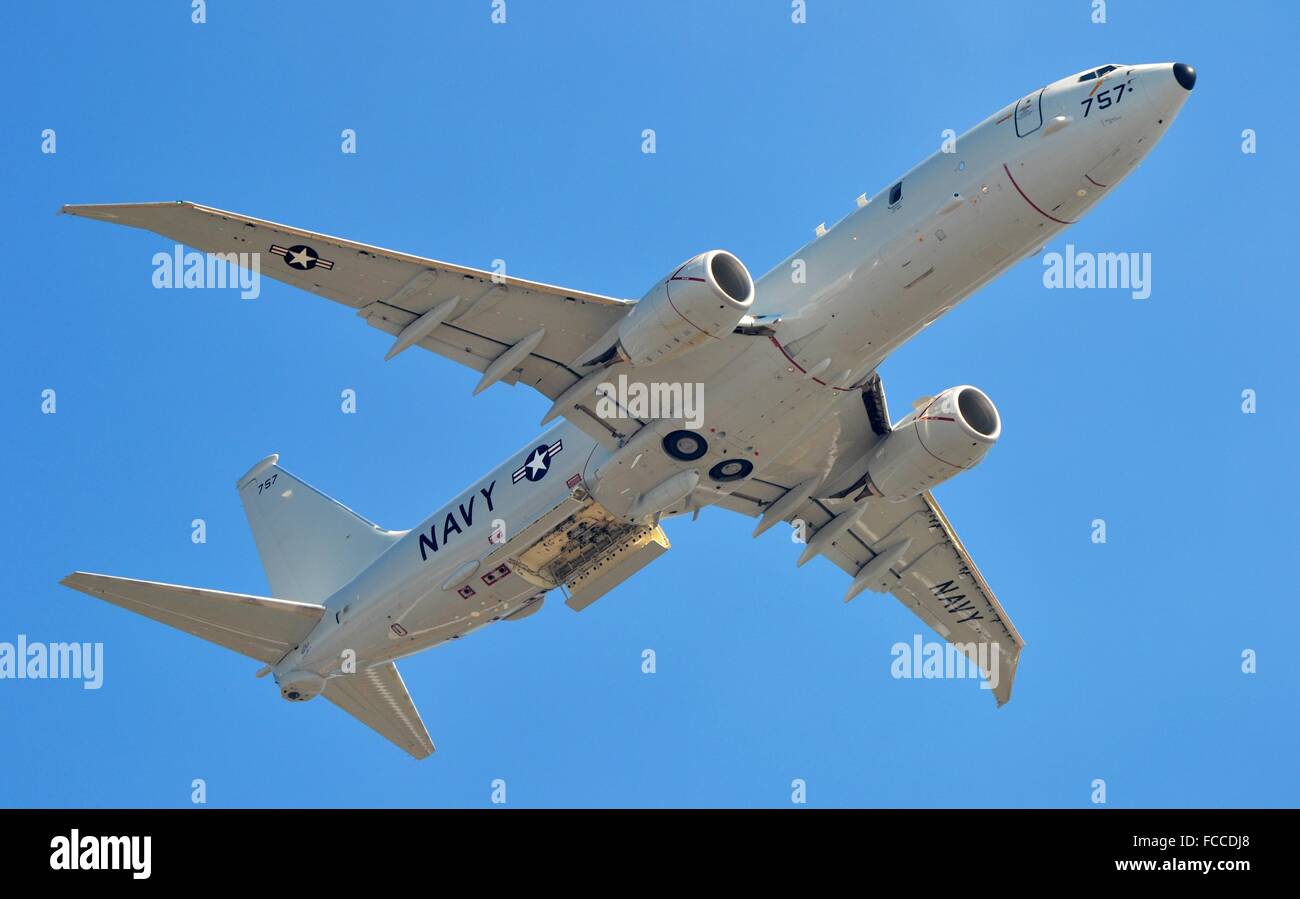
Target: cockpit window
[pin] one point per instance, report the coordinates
(896, 194)
(1097, 73)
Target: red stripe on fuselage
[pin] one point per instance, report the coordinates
(1031, 202)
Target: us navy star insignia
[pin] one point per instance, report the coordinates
(538, 463)
(301, 257)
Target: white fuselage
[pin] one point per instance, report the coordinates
(841, 304)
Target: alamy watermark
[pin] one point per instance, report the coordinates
(53, 661)
(193, 270)
(654, 399)
(946, 661)
(75, 852)
(1102, 271)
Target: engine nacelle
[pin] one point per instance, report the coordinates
(702, 300)
(299, 686)
(950, 433)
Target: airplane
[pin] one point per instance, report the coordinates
(797, 427)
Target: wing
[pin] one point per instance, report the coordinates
(393, 291)
(378, 699)
(937, 579)
(256, 626)
(922, 560)
(923, 564)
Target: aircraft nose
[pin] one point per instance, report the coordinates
(1185, 75)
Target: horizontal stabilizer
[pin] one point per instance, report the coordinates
(378, 698)
(256, 626)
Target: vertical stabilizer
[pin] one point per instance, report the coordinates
(310, 544)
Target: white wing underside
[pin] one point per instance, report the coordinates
(936, 578)
(390, 290)
(378, 698)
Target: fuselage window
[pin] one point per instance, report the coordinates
(896, 194)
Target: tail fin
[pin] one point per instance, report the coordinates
(310, 545)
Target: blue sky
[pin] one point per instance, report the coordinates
(522, 141)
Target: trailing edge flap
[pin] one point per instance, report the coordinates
(377, 698)
(256, 626)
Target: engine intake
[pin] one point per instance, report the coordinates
(702, 300)
(950, 433)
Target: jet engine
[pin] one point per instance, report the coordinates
(702, 300)
(299, 686)
(947, 434)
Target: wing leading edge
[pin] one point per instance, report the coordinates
(491, 314)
